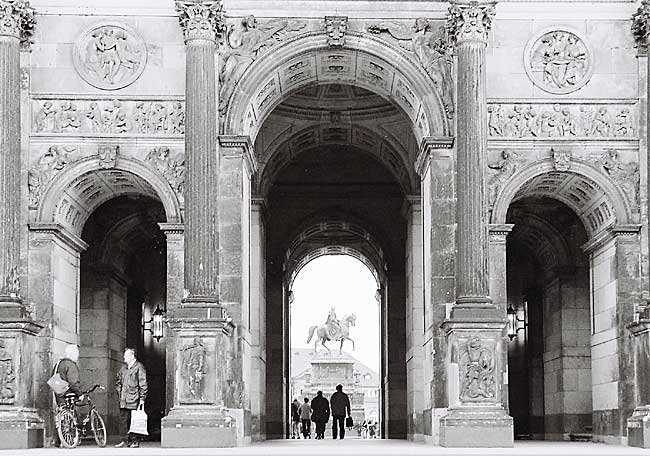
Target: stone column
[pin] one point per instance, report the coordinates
(199, 344)
(476, 354)
(638, 425)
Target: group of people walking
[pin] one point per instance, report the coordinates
(319, 412)
(131, 386)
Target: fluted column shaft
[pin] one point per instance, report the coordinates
(16, 23)
(468, 25)
(202, 22)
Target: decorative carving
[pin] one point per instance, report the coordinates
(431, 49)
(172, 168)
(107, 155)
(110, 56)
(469, 21)
(7, 375)
(505, 167)
(477, 371)
(561, 160)
(246, 42)
(17, 19)
(24, 78)
(12, 282)
(49, 165)
(559, 121)
(194, 368)
(640, 23)
(200, 19)
(624, 174)
(109, 116)
(558, 61)
(336, 27)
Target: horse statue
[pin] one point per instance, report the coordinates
(323, 333)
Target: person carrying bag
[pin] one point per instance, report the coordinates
(132, 390)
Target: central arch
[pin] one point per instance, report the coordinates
(365, 61)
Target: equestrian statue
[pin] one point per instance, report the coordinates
(333, 329)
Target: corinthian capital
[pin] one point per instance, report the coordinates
(641, 23)
(200, 19)
(470, 21)
(17, 19)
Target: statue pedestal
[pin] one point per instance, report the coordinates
(199, 427)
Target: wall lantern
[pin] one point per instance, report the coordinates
(156, 324)
(513, 322)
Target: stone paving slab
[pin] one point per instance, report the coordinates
(352, 447)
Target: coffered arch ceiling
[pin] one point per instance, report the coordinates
(337, 114)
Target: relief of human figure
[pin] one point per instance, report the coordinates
(194, 368)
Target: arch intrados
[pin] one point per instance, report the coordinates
(295, 64)
(612, 194)
(56, 191)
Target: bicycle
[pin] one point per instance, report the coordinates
(67, 423)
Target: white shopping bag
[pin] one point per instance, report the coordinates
(139, 421)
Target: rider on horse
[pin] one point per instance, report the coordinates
(334, 330)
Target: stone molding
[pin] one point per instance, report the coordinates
(172, 228)
(17, 19)
(499, 232)
(562, 69)
(60, 232)
(614, 232)
(201, 19)
(428, 147)
(25, 326)
(235, 146)
(110, 55)
(470, 21)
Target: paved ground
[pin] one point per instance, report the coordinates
(351, 447)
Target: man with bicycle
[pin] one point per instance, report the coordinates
(69, 371)
(132, 391)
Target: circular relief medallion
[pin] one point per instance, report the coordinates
(110, 56)
(558, 61)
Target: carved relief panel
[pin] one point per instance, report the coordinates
(558, 60)
(7, 372)
(477, 369)
(110, 56)
(196, 372)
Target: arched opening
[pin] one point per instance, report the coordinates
(337, 295)
(336, 166)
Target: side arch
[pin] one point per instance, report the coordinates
(365, 61)
(596, 200)
(72, 196)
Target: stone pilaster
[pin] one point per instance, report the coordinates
(16, 25)
(199, 342)
(476, 354)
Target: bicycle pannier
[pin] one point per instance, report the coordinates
(58, 385)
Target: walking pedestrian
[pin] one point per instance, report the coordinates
(132, 390)
(320, 414)
(305, 418)
(340, 406)
(295, 419)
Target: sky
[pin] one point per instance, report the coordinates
(347, 284)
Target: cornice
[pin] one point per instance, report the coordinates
(244, 145)
(61, 233)
(428, 145)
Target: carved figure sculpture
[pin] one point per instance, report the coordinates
(624, 174)
(340, 330)
(45, 118)
(172, 168)
(431, 49)
(7, 376)
(479, 367)
(53, 161)
(194, 368)
(68, 118)
(505, 167)
(247, 42)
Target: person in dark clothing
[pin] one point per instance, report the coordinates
(305, 417)
(132, 390)
(340, 406)
(320, 414)
(69, 371)
(295, 419)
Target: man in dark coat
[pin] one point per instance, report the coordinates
(320, 414)
(132, 390)
(69, 371)
(340, 405)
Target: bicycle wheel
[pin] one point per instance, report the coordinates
(66, 426)
(98, 427)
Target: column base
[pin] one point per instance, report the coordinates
(477, 428)
(208, 427)
(21, 429)
(638, 428)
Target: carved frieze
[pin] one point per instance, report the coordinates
(17, 19)
(478, 370)
(7, 372)
(336, 27)
(200, 19)
(110, 56)
(429, 42)
(171, 167)
(246, 41)
(558, 61)
(108, 116)
(521, 120)
(52, 162)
